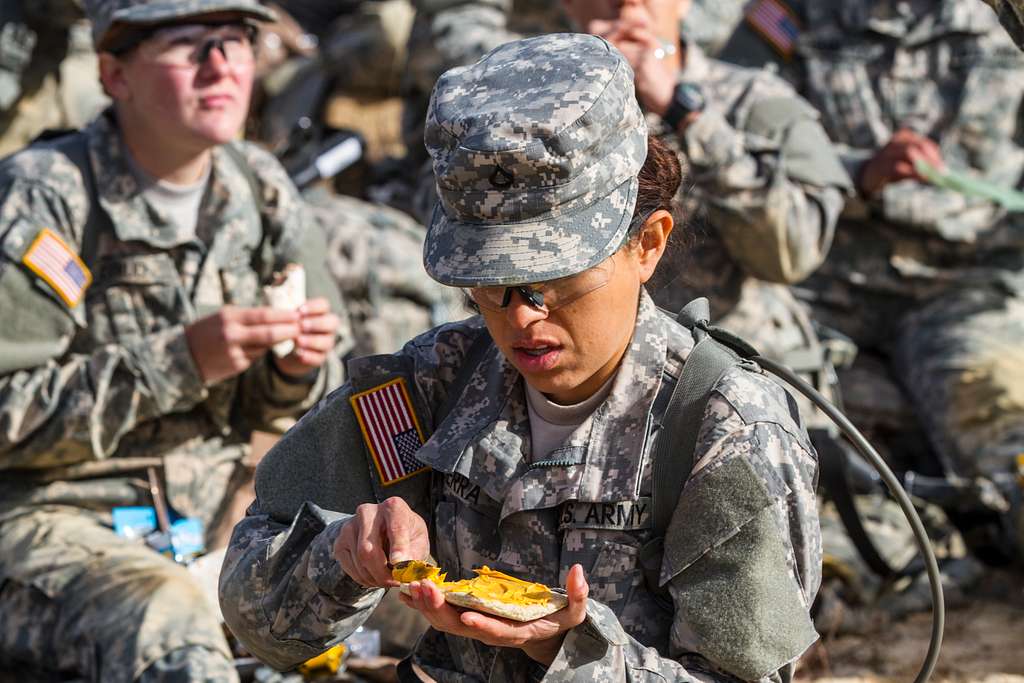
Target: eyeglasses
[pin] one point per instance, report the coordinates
(547, 296)
(190, 45)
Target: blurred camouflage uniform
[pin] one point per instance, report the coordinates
(450, 33)
(930, 277)
(94, 392)
(1011, 14)
(48, 73)
(772, 187)
(487, 497)
(375, 255)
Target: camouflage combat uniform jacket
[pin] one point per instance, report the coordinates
(93, 394)
(773, 188)
(949, 73)
(49, 76)
(741, 587)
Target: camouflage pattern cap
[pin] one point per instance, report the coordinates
(536, 150)
(104, 14)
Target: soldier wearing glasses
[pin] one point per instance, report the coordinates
(522, 439)
(134, 354)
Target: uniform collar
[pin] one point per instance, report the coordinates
(120, 193)
(486, 435)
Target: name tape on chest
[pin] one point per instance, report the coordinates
(774, 21)
(59, 266)
(625, 515)
(462, 488)
(390, 429)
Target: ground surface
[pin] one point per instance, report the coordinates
(984, 641)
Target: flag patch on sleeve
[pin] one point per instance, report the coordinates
(390, 429)
(58, 265)
(776, 23)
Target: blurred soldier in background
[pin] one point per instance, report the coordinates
(375, 255)
(924, 99)
(762, 168)
(135, 358)
(48, 76)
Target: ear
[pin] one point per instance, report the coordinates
(653, 241)
(113, 77)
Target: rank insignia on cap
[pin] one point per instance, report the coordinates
(58, 265)
(776, 23)
(390, 429)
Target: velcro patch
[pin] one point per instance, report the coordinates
(774, 21)
(390, 429)
(625, 515)
(59, 266)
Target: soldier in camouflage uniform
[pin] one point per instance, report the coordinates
(134, 344)
(522, 438)
(47, 70)
(928, 276)
(761, 166)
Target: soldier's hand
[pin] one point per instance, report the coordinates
(227, 343)
(655, 70)
(541, 639)
(895, 161)
(318, 331)
(379, 534)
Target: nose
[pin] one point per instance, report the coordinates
(214, 57)
(520, 313)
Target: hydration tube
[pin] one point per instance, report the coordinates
(893, 484)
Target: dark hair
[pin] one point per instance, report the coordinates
(660, 179)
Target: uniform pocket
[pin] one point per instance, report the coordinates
(466, 539)
(840, 86)
(611, 560)
(134, 296)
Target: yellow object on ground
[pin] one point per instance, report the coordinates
(329, 661)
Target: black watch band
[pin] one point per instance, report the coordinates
(687, 98)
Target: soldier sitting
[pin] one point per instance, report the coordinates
(135, 352)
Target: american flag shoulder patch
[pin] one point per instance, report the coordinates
(776, 23)
(58, 265)
(390, 429)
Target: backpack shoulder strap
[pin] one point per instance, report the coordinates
(673, 456)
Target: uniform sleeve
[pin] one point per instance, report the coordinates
(742, 574)
(283, 594)
(774, 186)
(267, 394)
(57, 406)
(281, 591)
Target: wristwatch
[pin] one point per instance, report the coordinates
(687, 98)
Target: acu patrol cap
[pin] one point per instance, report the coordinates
(536, 150)
(106, 15)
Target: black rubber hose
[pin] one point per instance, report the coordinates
(896, 489)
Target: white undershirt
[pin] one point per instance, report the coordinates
(179, 203)
(552, 423)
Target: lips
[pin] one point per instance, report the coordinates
(216, 100)
(537, 355)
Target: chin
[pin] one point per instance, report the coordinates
(219, 132)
